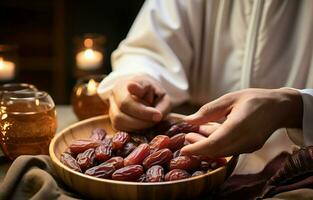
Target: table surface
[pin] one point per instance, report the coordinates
(65, 116)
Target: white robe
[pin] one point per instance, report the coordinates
(202, 49)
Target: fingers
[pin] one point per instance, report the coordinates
(134, 107)
(124, 122)
(194, 137)
(164, 105)
(208, 129)
(220, 143)
(138, 89)
(212, 111)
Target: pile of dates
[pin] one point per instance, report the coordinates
(150, 156)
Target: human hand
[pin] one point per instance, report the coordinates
(252, 115)
(137, 103)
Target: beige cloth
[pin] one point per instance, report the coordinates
(33, 177)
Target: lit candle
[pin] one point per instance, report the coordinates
(89, 58)
(7, 70)
(92, 87)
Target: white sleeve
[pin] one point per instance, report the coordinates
(307, 125)
(158, 45)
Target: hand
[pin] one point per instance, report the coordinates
(252, 115)
(137, 103)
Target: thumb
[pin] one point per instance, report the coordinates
(212, 111)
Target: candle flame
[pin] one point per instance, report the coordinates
(92, 87)
(88, 43)
(1, 62)
(89, 53)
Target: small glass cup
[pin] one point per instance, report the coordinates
(85, 100)
(18, 87)
(28, 123)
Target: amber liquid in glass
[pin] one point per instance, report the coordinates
(27, 128)
(85, 105)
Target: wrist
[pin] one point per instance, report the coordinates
(292, 107)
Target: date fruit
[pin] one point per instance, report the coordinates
(197, 173)
(103, 153)
(176, 174)
(182, 127)
(86, 159)
(105, 170)
(177, 141)
(155, 174)
(119, 139)
(98, 134)
(137, 155)
(69, 161)
(127, 149)
(160, 157)
(117, 161)
(142, 178)
(128, 173)
(79, 146)
(139, 138)
(159, 142)
(177, 153)
(188, 163)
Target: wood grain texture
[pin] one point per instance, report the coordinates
(98, 188)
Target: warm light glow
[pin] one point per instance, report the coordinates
(89, 59)
(7, 69)
(1, 62)
(88, 43)
(89, 53)
(92, 87)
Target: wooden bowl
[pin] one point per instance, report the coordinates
(98, 188)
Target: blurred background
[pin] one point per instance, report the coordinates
(44, 39)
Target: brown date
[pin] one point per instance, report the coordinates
(98, 134)
(182, 127)
(142, 178)
(128, 173)
(197, 173)
(160, 157)
(155, 174)
(105, 170)
(139, 138)
(117, 161)
(119, 139)
(187, 163)
(69, 161)
(103, 153)
(137, 155)
(127, 149)
(159, 142)
(79, 146)
(177, 141)
(205, 166)
(219, 162)
(86, 159)
(177, 153)
(162, 126)
(176, 174)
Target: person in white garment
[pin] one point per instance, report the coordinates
(216, 53)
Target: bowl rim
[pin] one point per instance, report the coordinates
(57, 161)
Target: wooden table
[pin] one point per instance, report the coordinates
(65, 117)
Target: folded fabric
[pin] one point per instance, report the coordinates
(288, 174)
(33, 177)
